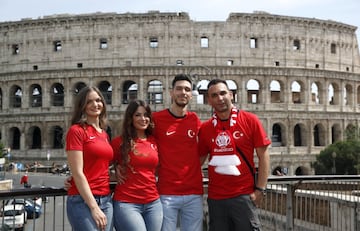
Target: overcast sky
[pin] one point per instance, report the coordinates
(345, 11)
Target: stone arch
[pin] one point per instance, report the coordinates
(57, 95)
(334, 94)
(302, 170)
(106, 90)
(34, 138)
(78, 86)
(317, 94)
(15, 98)
(56, 137)
(298, 92)
(278, 171)
(253, 91)
(129, 91)
(155, 92)
(276, 91)
(300, 135)
(14, 138)
(201, 86)
(278, 136)
(35, 95)
(233, 88)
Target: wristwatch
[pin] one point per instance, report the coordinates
(263, 190)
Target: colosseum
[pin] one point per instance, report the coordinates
(301, 76)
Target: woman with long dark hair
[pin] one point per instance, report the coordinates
(137, 206)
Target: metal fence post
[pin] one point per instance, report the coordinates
(289, 207)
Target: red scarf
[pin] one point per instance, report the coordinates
(223, 150)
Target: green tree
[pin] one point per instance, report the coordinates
(347, 158)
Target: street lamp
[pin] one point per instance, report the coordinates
(334, 167)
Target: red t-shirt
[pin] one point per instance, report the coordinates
(140, 184)
(24, 179)
(97, 155)
(180, 171)
(249, 134)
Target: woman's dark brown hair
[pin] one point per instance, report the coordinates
(129, 131)
(79, 115)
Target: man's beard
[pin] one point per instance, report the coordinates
(181, 104)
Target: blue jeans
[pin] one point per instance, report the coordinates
(79, 214)
(188, 207)
(138, 217)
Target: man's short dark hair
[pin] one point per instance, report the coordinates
(180, 77)
(216, 81)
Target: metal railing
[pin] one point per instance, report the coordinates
(306, 203)
(312, 203)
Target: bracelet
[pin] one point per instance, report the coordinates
(263, 190)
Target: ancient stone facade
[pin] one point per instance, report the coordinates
(301, 76)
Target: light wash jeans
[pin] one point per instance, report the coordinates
(188, 207)
(138, 217)
(79, 214)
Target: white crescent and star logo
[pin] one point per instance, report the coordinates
(237, 135)
(191, 133)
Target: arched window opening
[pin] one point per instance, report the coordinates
(315, 93)
(201, 87)
(297, 136)
(106, 90)
(78, 87)
(253, 88)
(129, 92)
(15, 97)
(333, 93)
(36, 96)
(233, 88)
(155, 92)
(14, 136)
(276, 139)
(57, 95)
(316, 136)
(296, 92)
(57, 137)
(279, 171)
(275, 92)
(35, 138)
(301, 170)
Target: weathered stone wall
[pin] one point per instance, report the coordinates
(117, 48)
